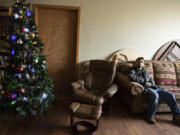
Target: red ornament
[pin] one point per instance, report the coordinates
(20, 68)
(8, 93)
(23, 28)
(22, 90)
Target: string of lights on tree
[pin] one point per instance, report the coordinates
(29, 88)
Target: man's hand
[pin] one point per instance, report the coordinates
(148, 84)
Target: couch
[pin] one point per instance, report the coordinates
(166, 74)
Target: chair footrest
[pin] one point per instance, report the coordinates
(89, 128)
(86, 111)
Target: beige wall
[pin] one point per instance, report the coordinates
(110, 25)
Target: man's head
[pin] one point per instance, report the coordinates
(139, 62)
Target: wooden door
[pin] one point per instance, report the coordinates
(58, 27)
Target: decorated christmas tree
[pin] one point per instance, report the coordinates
(29, 89)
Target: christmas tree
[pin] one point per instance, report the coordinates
(29, 89)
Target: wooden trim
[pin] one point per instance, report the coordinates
(5, 11)
(78, 9)
(166, 51)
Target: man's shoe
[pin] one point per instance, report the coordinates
(176, 119)
(151, 120)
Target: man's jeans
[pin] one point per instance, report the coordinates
(167, 96)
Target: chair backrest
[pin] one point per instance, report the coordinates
(101, 75)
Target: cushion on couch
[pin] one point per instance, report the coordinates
(149, 68)
(177, 69)
(164, 74)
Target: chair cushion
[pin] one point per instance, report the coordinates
(177, 69)
(86, 111)
(164, 74)
(101, 75)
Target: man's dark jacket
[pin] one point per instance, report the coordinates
(141, 77)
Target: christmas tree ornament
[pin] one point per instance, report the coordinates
(44, 62)
(24, 66)
(14, 95)
(25, 29)
(13, 102)
(21, 11)
(26, 36)
(20, 69)
(25, 99)
(29, 66)
(33, 77)
(13, 65)
(2, 92)
(28, 13)
(43, 66)
(26, 46)
(20, 16)
(36, 60)
(22, 90)
(34, 43)
(12, 52)
(27, 76)
(19, 76)
(44, 96)
(8, 93)
(19, 41)
(13, 37)
(32, 70)
(33, 35)
(16, 16)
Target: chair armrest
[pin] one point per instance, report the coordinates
(77, 85)
(87, 97)
(132, 88)
(111, 91)
(136, 88)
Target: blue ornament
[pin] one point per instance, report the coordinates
(20, 76)
(32, 70)
(25, 99)
(29, 66)
(12, 52)
(26, 29)
(28, 13)
(14, 95)
(44, 96)
(13, 37)
(16, 16)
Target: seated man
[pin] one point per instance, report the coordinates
(141, 76)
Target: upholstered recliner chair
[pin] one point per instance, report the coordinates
(92, 92)
(97, 86)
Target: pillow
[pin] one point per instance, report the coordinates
(149, 68)
(164, 74)
(177, 69)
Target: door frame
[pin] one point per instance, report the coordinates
(78, 9)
